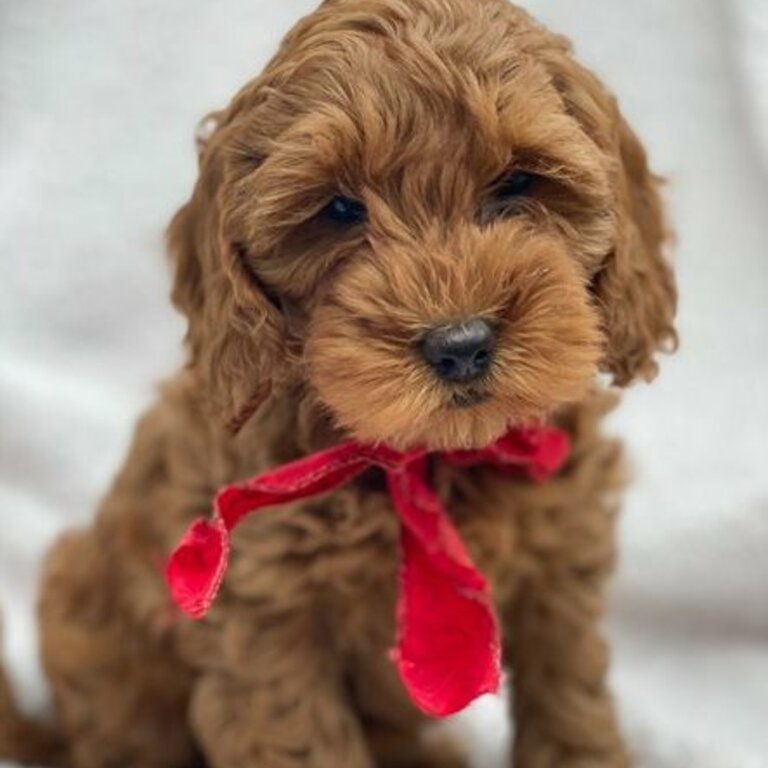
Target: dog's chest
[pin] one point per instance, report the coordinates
(343, 549)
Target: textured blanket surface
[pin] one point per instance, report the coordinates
(97, 107)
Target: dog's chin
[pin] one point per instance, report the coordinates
(469, 419)
(468, 398)
(446, 418)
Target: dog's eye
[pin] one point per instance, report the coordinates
(515, 184)
(344, 210)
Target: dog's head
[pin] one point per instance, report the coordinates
(431, 215)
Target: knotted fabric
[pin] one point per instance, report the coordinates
(447, 648)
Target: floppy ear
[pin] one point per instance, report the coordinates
(234, 333)
(634, 286)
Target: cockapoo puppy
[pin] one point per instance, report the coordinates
(424, 224)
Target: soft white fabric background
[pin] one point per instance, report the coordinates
(97, 105)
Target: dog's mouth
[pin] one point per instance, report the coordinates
(466, 398)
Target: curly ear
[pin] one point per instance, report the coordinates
(234, 335)
(634, 286)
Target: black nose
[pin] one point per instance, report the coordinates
(459, 352)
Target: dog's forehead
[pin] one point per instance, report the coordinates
(383, 104)
(423, 111)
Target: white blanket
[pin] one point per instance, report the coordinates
(97, 105)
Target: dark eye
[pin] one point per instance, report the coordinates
(344, 210)
(515, 184)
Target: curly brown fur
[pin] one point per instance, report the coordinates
(303, 332)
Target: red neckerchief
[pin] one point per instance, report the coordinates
(448, 649)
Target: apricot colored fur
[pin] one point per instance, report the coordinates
(302, 333)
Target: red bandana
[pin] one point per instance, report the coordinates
(448, 649)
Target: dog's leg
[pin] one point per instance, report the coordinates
(121, 695)
(404, 747)
(564, 713)
(398, 735)
(273, 696)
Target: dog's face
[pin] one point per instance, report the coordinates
(430, 215)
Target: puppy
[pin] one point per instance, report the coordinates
(423, 224)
